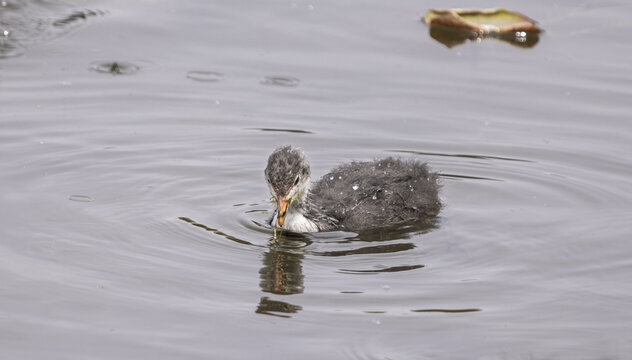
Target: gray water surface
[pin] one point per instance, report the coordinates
(133, 204)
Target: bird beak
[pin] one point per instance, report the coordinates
(282, 205)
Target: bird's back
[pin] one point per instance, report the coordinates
(375, 194)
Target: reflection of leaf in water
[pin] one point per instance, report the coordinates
(269, 307)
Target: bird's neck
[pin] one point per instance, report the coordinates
(295, 219)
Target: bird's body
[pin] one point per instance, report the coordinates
(357, 197)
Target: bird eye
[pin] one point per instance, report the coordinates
(296, 181)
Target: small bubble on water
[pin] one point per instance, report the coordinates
(374, 197)
(386, 287)
(331, 178)
(355, 187)
(376, 322)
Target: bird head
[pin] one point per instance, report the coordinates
(287, 174)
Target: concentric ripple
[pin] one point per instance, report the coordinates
(114, 67)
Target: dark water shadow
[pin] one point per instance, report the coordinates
(377, 249)
(466, 177)
(281, 271)
(384, 270)
(294, 131)
(449, 311)
(77, 17)
(468, 156)
(282, 274)
(400, 231)
(10, 47)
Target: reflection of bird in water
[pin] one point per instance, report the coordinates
(356, 197)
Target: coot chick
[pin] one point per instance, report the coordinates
(356, 197)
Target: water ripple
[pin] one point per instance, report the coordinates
(205, 76)
(385, 270)
(80, 198)
(294, 131)
(280, 80)
(468, 156)
(114, 67)
(447, 311)
(216, 231)
(26, 23)
(77, 17)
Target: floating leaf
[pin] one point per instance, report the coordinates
(454, 26)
